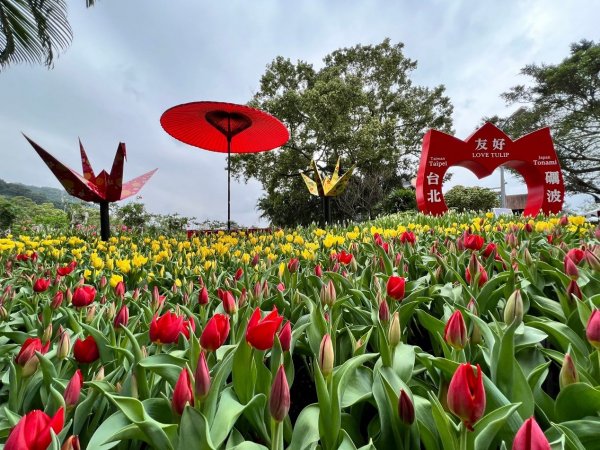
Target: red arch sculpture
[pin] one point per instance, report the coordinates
(532, 155)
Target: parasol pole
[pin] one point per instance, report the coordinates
(229, 172)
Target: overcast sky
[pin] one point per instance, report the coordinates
(130, 60)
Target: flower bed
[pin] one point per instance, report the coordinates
(437, 333)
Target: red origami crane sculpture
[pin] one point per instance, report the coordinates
(103, 188)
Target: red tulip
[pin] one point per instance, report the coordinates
(318, 270)
(279, 400)
(166, 328)
(571, 269)
(238, 274)
(182, 394)
(344, 257)
(466, 395)
(408, 237)
(57, 300)
(261, 332)
(215, 332)
(229, 305)
(576, 255)
(255, 260)
(203, 296)
(188, 326)
(66, 270)
(473, 241)
(285, 336)
(86, 350)
(592, 330)
(483, 276)
(83, 296)
(490, 249)
(455, 331)
(120, 289)
(28, 349)
(293, 265)
(202, 377)
(73, 389)
(122, 317)
(406, 408)
(530, 437)
(574, 289)
(395, 287)
(41, 284)
(32, 432)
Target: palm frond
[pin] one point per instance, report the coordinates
(33, 31)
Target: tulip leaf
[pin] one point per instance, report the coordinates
(306, 429)
(562, 335)
(102, 437)
(586, 431)
(194, 431)
(488, 427)
(230, 409)
(244, 372)
(445, 427)
(359, 387)
(247, 446)
(491, 292)
(571, 439)
(165, 365)
(577, 401)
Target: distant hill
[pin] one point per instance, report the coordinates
(35, 193)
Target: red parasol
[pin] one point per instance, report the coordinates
(224, 127)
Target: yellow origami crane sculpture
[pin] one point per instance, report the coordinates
(328, 187)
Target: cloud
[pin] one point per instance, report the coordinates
(130, 61)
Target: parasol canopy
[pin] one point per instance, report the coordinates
(224, 127)
(210, 125)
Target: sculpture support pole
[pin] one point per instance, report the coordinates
(326, 210)
(104, 221)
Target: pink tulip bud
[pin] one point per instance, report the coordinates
(73, 390)
(318, 270)
(406, 408)
(530, 437)
(203, 296)
(279, 400)
(326, 356)
(285, 336)
(384, 311)
(455, 331)
(202, 377)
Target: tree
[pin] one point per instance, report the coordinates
(8, 213)
(471, 198)
(361, 106)
(398, 200)
(566, 98)
(33, 30)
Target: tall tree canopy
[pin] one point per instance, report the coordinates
(360, 106)
(33, 30)
(565, 97)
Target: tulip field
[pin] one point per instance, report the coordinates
(411, 332)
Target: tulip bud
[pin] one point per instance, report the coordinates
(285, 336)
(353, 264)
(243, 298)
(182, 394)
(592, 260)
(466, 395)
(592, 329)
(406, 408)
(64, 346)
(326, 356)
(571, 269)
(47, 336)
(530, 437)
(203, 296)
(3, 313)
(120, 289)
(265, 289)
(90, 314)
(71, 443)
(73, 389)
(455, 331)
(103, 282)
(30, 366)
(513, 311)
(122, 317)
(136, 294)
(574, 290)
(328, 294)
(564, 221)
(255, 260)
(99, 376)
(568, 372)
(384, 311)
(202, 377)
(394, 332)
(279, 400)
(318, 270)
(69, 296)
(57, 300)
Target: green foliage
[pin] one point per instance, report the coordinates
(361, 106)
(564, 97)
(471, 198)
(58, 197)
(22, 214)
(133, 215)
(8, 214)
(398, 200)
